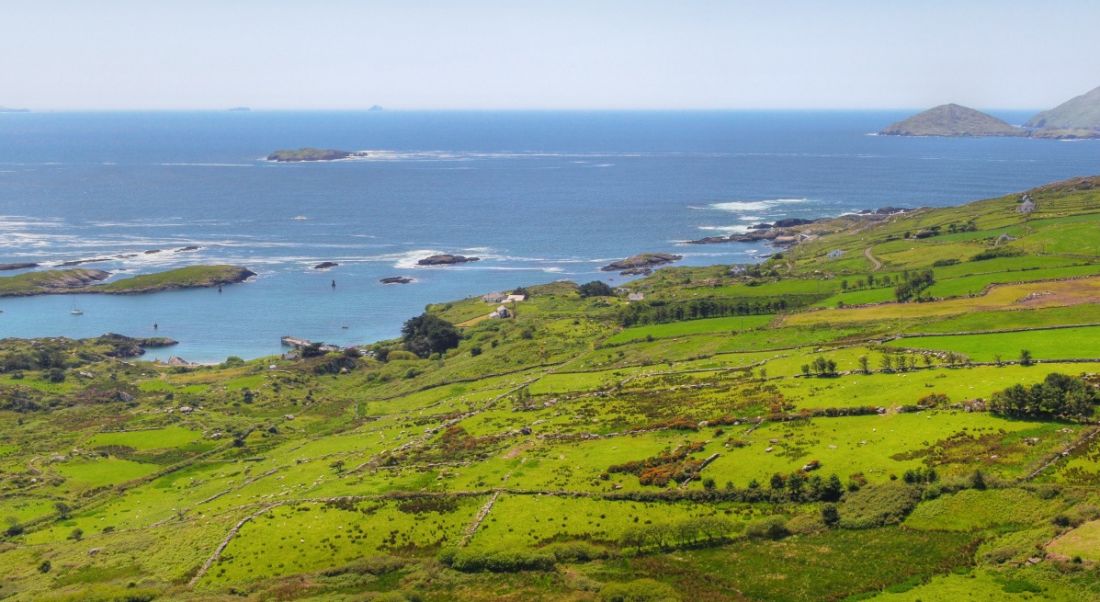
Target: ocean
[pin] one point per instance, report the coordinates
(539, 196)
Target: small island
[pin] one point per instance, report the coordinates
(446, 259)
(952, 120)
(84, 281)
(396, 280)
(308, 154)
(325, 265)
(12, 110)
(639, 264)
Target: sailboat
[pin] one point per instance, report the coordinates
(76, 311)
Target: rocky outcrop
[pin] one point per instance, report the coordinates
(446, 259)
(325, 265)
(4, 267)
(124, 346)
(396, 280)
(186, 249)
(642, 261)
(75, 262)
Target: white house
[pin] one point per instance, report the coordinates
(515, 298)
(494, 297)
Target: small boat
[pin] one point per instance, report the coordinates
(77, 312)
(299, 218)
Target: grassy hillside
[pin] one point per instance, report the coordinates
(789, 431)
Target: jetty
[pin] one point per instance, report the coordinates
(298, 343)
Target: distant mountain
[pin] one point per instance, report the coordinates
(952, 120)
(1080, 113)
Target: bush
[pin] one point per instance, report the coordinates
(877, 505)
(575, 551)
(639, 590)
(497, 561)
(596, 288)
(401, 354)
(772, 527)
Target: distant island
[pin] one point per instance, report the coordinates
(311, 154)
(11, 110)
(1081, 113)
(375, 108)
(952, 120)
(83, 280)
(1078, 118)
(239, 109)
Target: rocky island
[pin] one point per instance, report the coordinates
(325, 265)
(396, 280)
(446, 259)
(952, 120)
(640, 264)
(308, 154)
(84, 281)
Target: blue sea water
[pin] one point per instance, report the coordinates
(539, 196)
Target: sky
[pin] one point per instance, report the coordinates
(536, 54)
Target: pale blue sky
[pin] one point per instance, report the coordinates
(561, 54)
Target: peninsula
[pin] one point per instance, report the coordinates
(85, 281)
(1077, 116)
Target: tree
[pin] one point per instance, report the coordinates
(832, 490)
(596, 288)
(887, 362)
(427, 334)
(829, 514)
(864, 364)
(1025, 358)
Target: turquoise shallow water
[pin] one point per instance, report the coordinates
(538, 195)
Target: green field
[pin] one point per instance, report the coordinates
(1055, 344)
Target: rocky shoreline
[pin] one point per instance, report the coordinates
(785, 232)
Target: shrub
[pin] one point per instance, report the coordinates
(497, 561)
(639, 590)
(877, 505)
(596, 288)
(772, 527)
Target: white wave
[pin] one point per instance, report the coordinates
(734, 229)
(738, 206)
(751, 218)
(185, 164)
